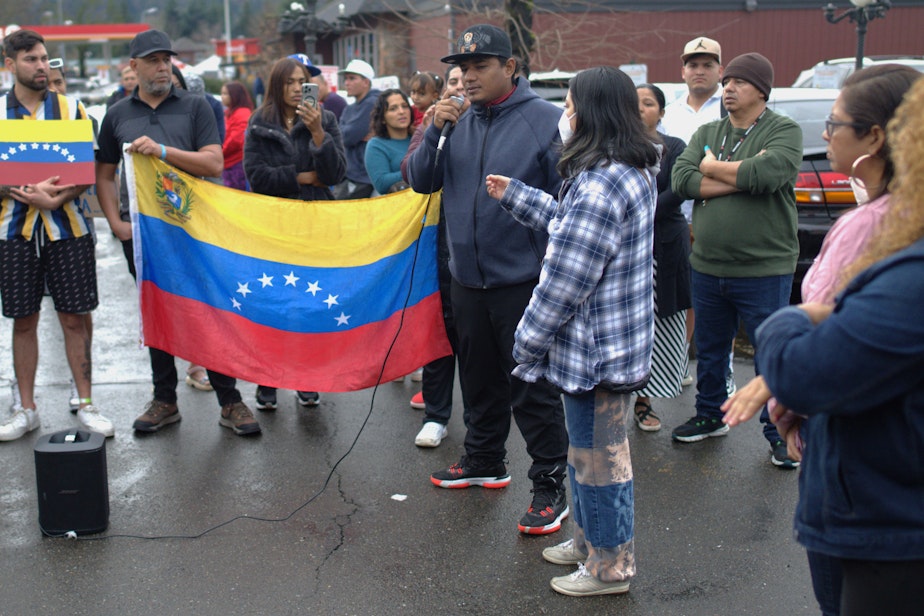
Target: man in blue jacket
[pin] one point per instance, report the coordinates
(495, 263)
(354, 128)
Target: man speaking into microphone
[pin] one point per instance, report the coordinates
(495, 263)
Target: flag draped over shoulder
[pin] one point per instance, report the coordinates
(304, 295)
(32, 152)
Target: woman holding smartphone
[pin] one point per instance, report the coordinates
(293, 150)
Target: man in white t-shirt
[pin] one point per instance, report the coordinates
(702, 72)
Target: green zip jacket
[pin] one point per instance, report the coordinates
(750, 233)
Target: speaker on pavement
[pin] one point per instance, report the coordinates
(73, 487)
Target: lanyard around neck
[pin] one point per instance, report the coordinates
(741, 140)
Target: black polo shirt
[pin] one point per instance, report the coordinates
(182, 120)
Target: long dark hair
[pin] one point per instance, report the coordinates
(238, 95)
(377, 124)
(273, 108)
(870, 96)
(608, 125)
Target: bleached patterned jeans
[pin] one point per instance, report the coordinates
(600, 469)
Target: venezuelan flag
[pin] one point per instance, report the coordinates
(31, 152)
(305, 295)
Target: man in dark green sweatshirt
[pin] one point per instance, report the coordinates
(740, 171)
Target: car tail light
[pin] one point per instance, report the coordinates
(837, 187)
(828, 187)
(808, 189)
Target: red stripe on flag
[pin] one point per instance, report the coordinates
(18, 174)
(332, 362)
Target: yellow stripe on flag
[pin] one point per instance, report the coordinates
(309, 233)
(59, 131)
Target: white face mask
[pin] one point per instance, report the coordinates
(564, 126)
(856, 184)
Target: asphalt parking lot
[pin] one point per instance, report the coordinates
(351, 524)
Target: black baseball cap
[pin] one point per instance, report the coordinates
(481, 40)
(148, 42)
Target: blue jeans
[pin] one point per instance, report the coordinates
(719, 304)
(602, 487)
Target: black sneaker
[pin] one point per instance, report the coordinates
(779, 456)
(308, 398)
(266, 398)
(698, 428)
(464, 475)
(544, 516)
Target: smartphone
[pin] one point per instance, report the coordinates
(310, 94)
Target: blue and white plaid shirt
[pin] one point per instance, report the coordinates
(590, 320)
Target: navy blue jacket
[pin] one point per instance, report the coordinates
(354, 128)
(517, 138)
(859, 376)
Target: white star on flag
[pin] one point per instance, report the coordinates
(343, 319)
(35, 146)
(244, 289)
(266, 280)
(22, 147)
(64, 152)
(291, 279)
(313, 287)
(4, 156)
(331, 301)
(71, 158)
(46, 146)
(56, 147)
(235, 303)
(12, 150)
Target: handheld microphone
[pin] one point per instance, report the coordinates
(447, 126)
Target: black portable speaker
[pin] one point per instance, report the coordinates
(73, 487)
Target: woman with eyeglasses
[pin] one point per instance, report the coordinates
(858, 146)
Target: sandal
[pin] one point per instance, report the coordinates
(643, 413)
(198, 377)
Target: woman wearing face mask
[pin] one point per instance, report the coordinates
(672, 271)
(858, 146)
(588, 328)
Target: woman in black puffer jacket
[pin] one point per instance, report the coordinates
(291, 149)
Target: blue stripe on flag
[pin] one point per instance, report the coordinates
(280, 295)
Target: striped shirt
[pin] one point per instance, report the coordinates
(19, 219)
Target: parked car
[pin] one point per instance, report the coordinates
(832, 73)
(821, 194)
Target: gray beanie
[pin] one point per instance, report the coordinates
(753, 68)
(194, 83)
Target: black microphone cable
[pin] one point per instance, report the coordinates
(423, 221)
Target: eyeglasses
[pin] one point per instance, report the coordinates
(831, 124)
(56, 63)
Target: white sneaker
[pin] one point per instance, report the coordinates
(582, 584)
(20, 422)
(417, 375)
(687, 379)
(90, 418)
(431, 435)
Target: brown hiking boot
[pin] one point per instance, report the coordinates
(156, 415)
(239, 418)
